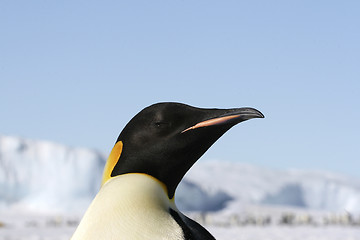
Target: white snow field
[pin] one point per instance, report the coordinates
(46, 187)
(60, 227)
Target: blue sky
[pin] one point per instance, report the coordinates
(75, 72)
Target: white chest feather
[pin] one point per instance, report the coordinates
(130, 207)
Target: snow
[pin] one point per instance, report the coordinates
(60, 227)
(45, 187)
(286, 233)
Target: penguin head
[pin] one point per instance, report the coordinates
(165, 139)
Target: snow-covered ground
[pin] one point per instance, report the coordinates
(220, 233)
(286, 233)
(45, 188)
(60, 227)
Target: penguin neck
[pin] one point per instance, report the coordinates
(142, 188)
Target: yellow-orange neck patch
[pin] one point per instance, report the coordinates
(111, 161)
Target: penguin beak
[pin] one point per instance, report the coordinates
(229, 116)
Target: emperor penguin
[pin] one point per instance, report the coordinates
(150, 157)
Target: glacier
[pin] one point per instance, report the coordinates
(45, 176)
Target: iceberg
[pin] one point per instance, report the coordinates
(45, 176)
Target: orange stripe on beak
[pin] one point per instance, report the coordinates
(211, 122)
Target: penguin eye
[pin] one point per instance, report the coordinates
(160, 124)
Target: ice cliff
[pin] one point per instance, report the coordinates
(46, 176)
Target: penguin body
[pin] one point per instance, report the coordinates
(150, 157)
